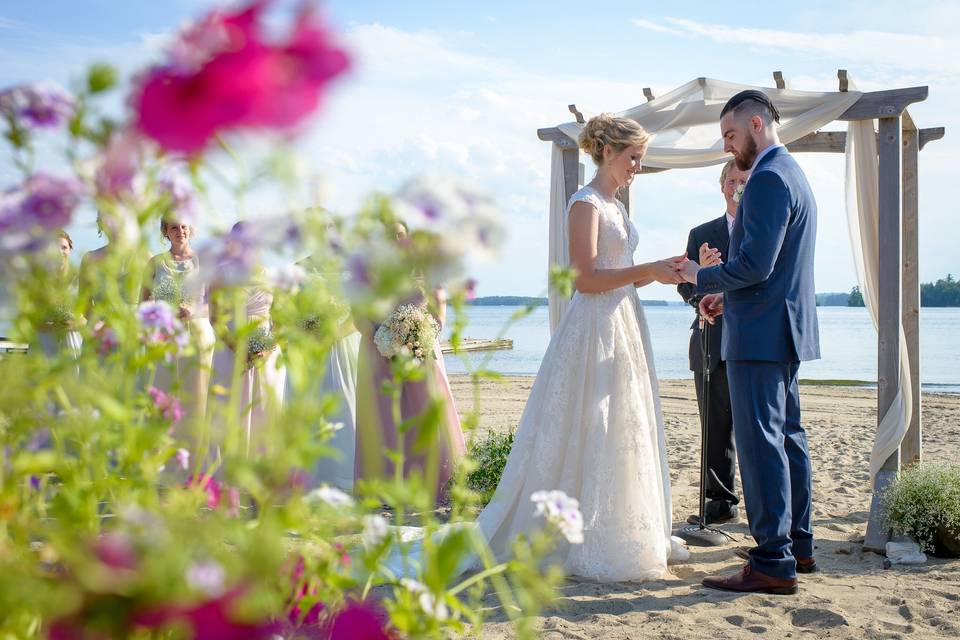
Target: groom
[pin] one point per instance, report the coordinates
(766, 294)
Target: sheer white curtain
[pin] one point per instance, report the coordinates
(685, 124)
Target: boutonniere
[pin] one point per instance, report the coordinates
(738, 193)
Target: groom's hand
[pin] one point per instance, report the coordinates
(711, 306)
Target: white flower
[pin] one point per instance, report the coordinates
(332, 496)
(207, 577)
(428, 601)
(375, 530)
(561, 511)
(183, 458)
(287, 278)
(738, 192)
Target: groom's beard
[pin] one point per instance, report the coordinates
(745, 159)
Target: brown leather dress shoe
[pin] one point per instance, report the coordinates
(804, 565)
(749, 581)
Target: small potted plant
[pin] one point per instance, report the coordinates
(924, 503)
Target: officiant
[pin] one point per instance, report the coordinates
(707, 245)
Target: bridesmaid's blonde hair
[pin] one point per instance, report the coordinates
(617, 132)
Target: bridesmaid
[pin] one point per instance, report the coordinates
(378, 433)
(262, 378)
(58, 332)
(339, 379)
(93, 287)
(174, 277)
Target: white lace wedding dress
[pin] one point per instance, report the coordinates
(592, 427)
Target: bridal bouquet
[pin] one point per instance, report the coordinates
(410, 330)
(259, 344)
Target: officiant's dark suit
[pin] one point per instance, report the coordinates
(721, 453)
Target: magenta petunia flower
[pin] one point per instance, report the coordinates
(38, 106)
(116, 551)
(223, 74)
(358, 620)
(220, 618)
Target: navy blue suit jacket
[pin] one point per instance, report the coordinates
(769, 302)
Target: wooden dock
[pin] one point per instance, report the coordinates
(473, 344)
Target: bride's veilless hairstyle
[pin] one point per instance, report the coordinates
(606, 129)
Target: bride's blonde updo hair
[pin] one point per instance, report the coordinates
(606, 129)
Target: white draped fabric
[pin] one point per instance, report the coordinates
(686, 134)
(863, 219)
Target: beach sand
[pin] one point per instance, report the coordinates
(852, 596)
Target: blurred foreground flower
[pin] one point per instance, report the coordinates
(223, 74)
(38, 105)
(41, 201)
(561, 511)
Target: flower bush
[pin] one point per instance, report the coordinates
(924, 503)
(124, 514)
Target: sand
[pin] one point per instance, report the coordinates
(852, 596)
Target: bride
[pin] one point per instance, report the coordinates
(592, 426)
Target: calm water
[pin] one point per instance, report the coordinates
(848, 343)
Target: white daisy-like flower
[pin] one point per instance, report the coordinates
(561, 511)
(375, 530)
(207, 577)
(428, 601)
(330, 495)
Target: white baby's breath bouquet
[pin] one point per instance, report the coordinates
(410, 331)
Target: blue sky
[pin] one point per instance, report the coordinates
(462, 89)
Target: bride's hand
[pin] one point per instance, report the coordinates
(665, 271)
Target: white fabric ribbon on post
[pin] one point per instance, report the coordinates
(863, 219)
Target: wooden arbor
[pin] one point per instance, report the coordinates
(899, 142)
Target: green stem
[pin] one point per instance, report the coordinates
(478, 577)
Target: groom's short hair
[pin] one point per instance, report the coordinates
(752, 103)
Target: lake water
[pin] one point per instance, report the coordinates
(848, 344)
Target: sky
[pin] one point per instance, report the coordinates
(460, 90)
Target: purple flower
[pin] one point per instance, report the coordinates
(40, 105)
(42, 200)
(179, 196)
(358, 620)
(35, 482)
(287, 278)
(157, 314)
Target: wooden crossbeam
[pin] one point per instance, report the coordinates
(818, 142)
(778, 78)
(648, 93)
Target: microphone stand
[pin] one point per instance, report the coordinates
(701, 534)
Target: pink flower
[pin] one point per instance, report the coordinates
(358, 620)
(104, 337)
(118, 166)
(219, 618)
(169, 407)
(233, 502)
(116, 551)
(222, 75)
(209, 485)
